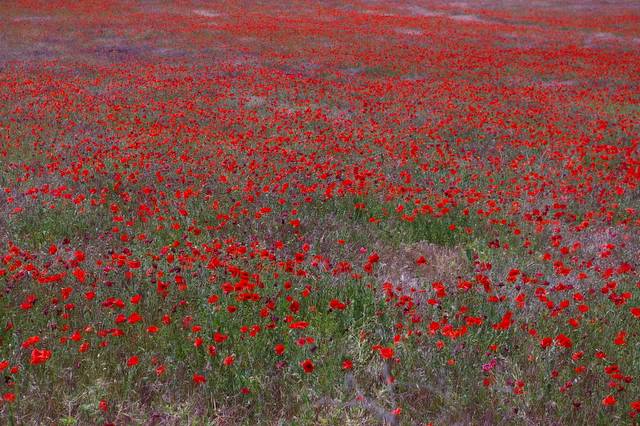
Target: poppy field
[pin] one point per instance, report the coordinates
(319, 212)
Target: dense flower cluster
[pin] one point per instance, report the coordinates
(214, 199)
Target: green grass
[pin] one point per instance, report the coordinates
(38, 226)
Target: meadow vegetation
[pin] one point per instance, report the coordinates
(319, 213)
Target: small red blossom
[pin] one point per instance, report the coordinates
(134, 360)
(307, 366)
(39, 356)
(337, 305)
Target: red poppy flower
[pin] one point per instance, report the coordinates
(132, 361)
(39, 356)
(279, 349)
(219, 337)
(30, 341)
(307, 366)
(386, 353)
(299, 325)
(337, 305)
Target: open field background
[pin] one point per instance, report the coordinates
(319, 212)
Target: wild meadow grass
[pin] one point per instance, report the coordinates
(315, 213)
